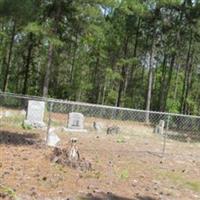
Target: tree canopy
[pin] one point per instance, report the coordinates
(130, 53)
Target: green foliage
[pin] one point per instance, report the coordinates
(35, 28)
(173, 105)
(26, 126)
(183, 181)
(111, 98)
(9, 192)
(102, 51)
(124, 174)
(131, 7)
(121, 140)
(3, 34)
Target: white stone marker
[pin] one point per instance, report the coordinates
(76, 122)
(52, 138)
(35, 114)
(159, 129)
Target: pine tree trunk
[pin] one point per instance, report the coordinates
(96, 81)
(8, 63)
(163, 85)
(186, 76)
(176, 83)
(150, 81)
(93, 98)
(121, 87)
(169, 80)
(122, 83)
(189, 85)
(27, 66)
(73, 62)
(134, 55)
(50, 51)
(48, 71)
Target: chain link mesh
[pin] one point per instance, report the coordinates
(144, 126)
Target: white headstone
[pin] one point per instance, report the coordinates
(97, 126)
(75, 122)
(162, 124)
(159, 129)
(35, 114)
(52, 138)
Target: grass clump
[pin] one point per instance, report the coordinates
(26, 126)
(121, 140)
(124, 174)
(179, 179)
(9, 192)
(193, 185)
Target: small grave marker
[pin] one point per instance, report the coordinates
(52, 138)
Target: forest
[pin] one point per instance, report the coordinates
(142, 54)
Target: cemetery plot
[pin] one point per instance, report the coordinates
(123, 165)
(121, 158)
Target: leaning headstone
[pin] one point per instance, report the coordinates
(75, 122)
(52, 138)
(97, 126)
(35, 114)
(159, 129)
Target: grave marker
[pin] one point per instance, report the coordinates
(159, 129)
(35, 114)
(75, 122)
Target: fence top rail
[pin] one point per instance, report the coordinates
(52, 100)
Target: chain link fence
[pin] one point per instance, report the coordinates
(144, 131)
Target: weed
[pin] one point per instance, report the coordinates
(26, 126)
(93, 174)
(183, 181)
(8, 192)
(121, 140)
(124, 174)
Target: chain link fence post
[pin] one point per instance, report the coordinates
(49, 120)
(165, 135)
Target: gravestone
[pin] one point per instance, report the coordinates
(52, 138)
(75, 122)
(35, 114)
(97, 126)
(159, 129)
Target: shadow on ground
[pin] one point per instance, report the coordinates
(110, 196)
(14, 138)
